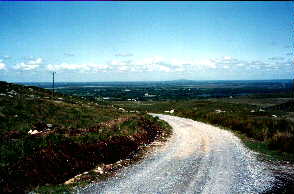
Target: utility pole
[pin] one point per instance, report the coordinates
(53, 73)
(293, 91)
(292, 103)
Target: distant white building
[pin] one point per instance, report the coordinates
(149, 95)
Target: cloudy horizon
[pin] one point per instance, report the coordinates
(140, 41)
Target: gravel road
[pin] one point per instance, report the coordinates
(198, 158)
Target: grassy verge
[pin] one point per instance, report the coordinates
(55, 157)
(263, 148)
(107, 170)
(267, 130)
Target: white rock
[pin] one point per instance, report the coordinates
(32, 132)
(70, 181)
(99, 170)
(122, 109)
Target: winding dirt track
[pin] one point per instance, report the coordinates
(198, 158)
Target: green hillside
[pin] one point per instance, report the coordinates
(46, 140)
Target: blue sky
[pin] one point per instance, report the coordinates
(141, 41)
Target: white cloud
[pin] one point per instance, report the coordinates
(6, 57)
(276, 58)
(123, 68)
(124, 54)
(180, 63)
(2, 65)
(150, 61)
(30, 65)
(179, 69)
(240, 64)
(164, 68)
(209, 63)
(69, 54)
(160, 64)
(227, 58)
(120, 62)
(77, 67)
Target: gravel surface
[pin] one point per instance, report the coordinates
(198, 158)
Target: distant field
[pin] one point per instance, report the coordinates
(173, 90)
(264, 102)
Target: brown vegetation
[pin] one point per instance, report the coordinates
(58, 162)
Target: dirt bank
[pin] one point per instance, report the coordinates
(57, 163)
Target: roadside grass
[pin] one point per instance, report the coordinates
(15, 140)
(22, 114)
(261, 131)
(68, 188)
(61, 188)
(92, 176)
(72, 145)
(262, 148)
